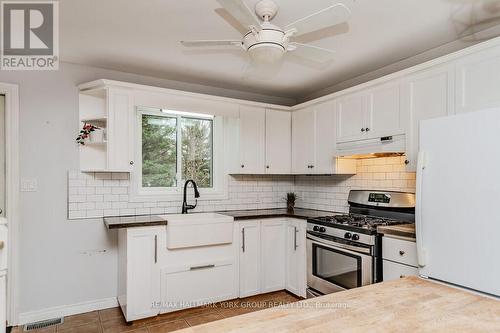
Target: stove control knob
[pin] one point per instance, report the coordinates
(322, 229)
(315, 228)
(355, 237)
(347, 235)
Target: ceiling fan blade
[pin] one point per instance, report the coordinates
(205, 43)
(310, 52)
(240, 11)
(333, 15)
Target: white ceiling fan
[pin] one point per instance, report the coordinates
(266, 42)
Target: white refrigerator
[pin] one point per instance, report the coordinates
(458, 200)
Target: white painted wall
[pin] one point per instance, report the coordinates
(59, 264)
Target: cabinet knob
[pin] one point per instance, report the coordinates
(312, 166)
(401, 253)
(402, 276)
(243, 165)
(267, 166)
(131, 162)
(407, 162)
(362, 130)
(367, 129)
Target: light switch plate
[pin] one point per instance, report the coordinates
(29, 185)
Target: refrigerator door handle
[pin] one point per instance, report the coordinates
(421, 164)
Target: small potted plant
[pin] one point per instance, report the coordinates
(290, 201)
(85, 132)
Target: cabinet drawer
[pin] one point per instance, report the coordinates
(393, 271)
(401, 251)
(197, 285)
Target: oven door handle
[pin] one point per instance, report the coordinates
(338, 246)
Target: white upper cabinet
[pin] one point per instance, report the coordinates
(351, 114)
(278, 142)
(252, 133)
(478, 81)
(369, 113)
(313, 142)
(383, 111)
(303, 123)
(425, 95)
(110, 147)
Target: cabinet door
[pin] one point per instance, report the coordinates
(250, 258)
(384, 111)
(273, 255)
(303, 141)
(143, 273)
(393, 270)
(252, 139)
(351, 117)
(426, 95)
(278, 142)
(477, 81)
(120, 130)
(324, 135)
(296, 257)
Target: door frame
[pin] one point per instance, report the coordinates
(11, 92)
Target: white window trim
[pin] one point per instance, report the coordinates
(219, 174)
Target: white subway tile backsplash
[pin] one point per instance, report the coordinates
(106, 194)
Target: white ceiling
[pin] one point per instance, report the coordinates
(142, 37)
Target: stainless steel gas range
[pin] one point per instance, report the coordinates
(344, 251)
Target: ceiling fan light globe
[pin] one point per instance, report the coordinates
(266, 53)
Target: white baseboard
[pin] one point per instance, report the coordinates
(66, 310)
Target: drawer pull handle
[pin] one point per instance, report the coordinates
(201, 267)
(401, 253)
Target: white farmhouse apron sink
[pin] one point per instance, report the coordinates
(198, 229)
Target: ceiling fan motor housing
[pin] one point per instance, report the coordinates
(266, 45)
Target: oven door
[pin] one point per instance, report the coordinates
(332, 267)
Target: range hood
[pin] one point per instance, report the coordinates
(385, 146)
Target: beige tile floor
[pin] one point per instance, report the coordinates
(112, 321)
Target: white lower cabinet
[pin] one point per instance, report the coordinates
(139, 271)
(399, 258)
(296, 257)
(394, 270)
(250, 258)
(272, 256)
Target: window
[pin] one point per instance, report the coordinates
(175, 146)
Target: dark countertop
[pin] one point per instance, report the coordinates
(299, 213)
(119, 222)
(402, 230)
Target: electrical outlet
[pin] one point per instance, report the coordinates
(29, 185)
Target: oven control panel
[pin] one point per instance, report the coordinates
(379, 198)
(340, 233)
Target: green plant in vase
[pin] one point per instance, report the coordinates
(290, 201)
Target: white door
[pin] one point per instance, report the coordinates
(324, 138)
(383, 111)
(3, 222)
(351, 117)
(477, 81)
(296, 258)
(273, 255)
(250, 258)
(252, 140)
(426, 95)
(303, 141)
(278, 142)
(143, 276)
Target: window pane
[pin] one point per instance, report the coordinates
(197, 150)
(159, 151)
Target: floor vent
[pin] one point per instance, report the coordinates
(43, 324)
